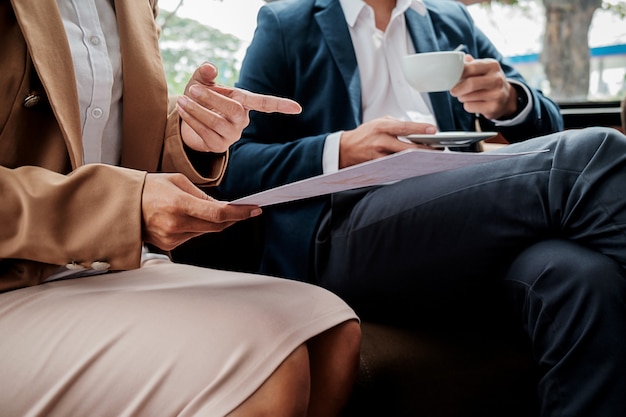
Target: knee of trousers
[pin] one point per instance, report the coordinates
(561, 278)
(595, 136)
(597, 146)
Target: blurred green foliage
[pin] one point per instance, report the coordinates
(186, 43)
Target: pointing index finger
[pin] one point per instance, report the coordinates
(261, 102)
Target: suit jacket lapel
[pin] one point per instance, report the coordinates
(335, 30)
(145, 89)
(44, 33)
(424, 39)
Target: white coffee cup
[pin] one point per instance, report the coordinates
(433, 71)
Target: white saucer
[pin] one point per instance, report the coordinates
(443, 139)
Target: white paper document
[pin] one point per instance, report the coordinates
(392, 168)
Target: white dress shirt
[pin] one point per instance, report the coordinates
(384, 89)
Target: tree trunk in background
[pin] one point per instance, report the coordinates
(566, 55)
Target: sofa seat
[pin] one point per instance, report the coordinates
(407, 372)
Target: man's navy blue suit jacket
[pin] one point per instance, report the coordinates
(302, 50)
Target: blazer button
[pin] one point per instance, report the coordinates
(74, 266)
(100, 266)
(32, 100)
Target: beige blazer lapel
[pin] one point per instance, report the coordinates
(145, 89)
(44, 33)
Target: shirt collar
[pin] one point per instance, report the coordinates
(353, 8)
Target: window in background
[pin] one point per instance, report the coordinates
(573, 50)
(196, 31)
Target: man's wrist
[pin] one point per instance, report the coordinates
(523, 106)
(521, 101)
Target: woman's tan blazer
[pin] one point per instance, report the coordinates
(53, 209)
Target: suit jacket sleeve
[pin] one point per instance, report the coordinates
(453, 25)
(545, 116)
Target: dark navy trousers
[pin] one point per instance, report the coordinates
(548, 228)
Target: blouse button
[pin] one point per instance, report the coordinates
(97, 113)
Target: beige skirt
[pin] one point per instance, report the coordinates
(163, 340)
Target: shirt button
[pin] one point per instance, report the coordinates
(97, 113)
(94, 40)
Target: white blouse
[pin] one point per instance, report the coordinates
(98, 68)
